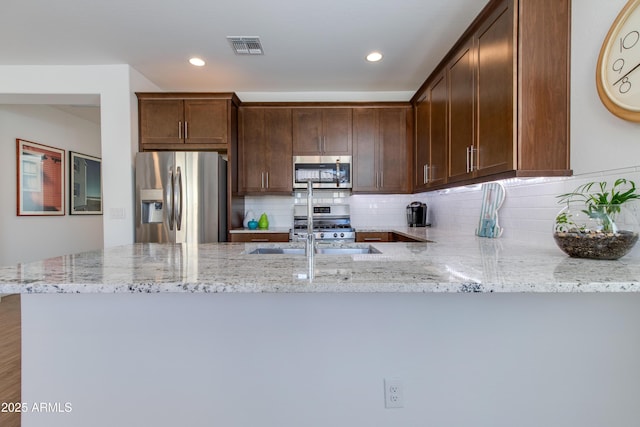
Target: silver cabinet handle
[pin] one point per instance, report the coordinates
(261, 179)
(473, 162)
(267, 173)
(373, 239)
(179, 130)
(426, 174)
(381, 179)
(468, 159)
(320, 143)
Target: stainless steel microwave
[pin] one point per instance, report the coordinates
(323, 171)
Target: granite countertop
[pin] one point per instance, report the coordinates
(448, 264)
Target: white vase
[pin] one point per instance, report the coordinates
(248, 217)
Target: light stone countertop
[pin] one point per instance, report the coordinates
(448, 264)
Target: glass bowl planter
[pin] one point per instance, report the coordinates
(595, 231)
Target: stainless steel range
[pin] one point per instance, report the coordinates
(330, 223)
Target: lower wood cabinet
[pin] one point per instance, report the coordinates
(259, 237)
(382, 236)
(372, 236)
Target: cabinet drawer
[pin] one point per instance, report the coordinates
(259, 237)
(372, 236)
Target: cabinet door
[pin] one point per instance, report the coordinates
(205, 121)
(423, 131)
(318, 131)
(307, 131)
(365, 151)
(461, 126)
(393, 158)
(161, 121)
(439, 126)
(265, 147)
(252, 150)
(337, 125)
(278, 150)
(495, 94)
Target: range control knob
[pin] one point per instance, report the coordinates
(335, 234)
(321, 235)
(341, 234)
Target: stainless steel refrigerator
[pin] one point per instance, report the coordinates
(181, 197)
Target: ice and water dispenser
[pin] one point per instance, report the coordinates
(152, 206)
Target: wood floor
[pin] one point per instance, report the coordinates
(10, 365)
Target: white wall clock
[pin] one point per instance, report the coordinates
(618, 70)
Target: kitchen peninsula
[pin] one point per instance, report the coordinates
(442, 263)
(159, 334)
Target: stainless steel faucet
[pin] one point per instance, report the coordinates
(309, 247)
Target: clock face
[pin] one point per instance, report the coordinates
(619, 64)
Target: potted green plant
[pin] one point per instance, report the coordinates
(595, 223)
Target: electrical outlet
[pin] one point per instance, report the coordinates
(393, 393)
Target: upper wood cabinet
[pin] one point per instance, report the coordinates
(431, 131)
(186, 121)
(460, 79)
(265, 151)
(320, 131)
(496, 85)
(507, 96)
(381, 150)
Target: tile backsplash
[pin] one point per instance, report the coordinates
(527, 214)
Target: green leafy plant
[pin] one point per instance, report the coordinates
(600, 202)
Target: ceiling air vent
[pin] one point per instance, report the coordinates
(246, 45)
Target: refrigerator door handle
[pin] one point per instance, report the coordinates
(177, 201)
(168, 196)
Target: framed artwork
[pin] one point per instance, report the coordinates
(85, 195)
(40, 179)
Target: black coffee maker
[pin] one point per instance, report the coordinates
(417, 214)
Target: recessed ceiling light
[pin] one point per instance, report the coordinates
(197, 62)
(374, 57)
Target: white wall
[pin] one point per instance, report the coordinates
(115, 85)
(293, 360)
(599, 140)
(30, 238)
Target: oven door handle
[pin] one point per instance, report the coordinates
(337, 172)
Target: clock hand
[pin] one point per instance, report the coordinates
(629, 72)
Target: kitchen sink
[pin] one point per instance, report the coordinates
(332, 250)
(281, 251)
(348, 250)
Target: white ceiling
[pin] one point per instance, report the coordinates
(310, 46)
